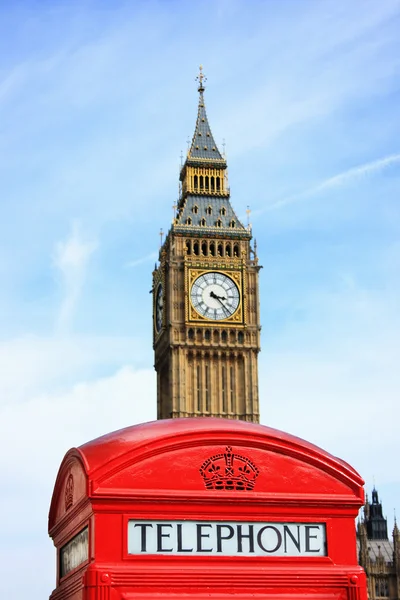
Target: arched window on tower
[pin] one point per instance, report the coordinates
(228, 250)
(223, 389)
(218, 184)
(231, 388)
(195, 209)
(212, 248)
(236, 250)
(188, 221)
(223, 211)
(191, 334)
(218, 223)
(207, 387)
(232, 224)
(204, 249)
(203, 222)
(198, 394)
(209, 210)
(196, 248)
(188, 248)
(201, 182)
(207, 182)
(196, 182)
(212, 184)
(220, 250)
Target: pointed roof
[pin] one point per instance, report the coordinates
(375, 521)
(203, 144)
(395, 527)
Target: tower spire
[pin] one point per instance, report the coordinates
(205, 194)
(203, 145)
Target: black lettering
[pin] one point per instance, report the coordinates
(143, 538)
(161, 535)
(278, 537)
(201, 535)
(249, 536)
(286, 532)
(310, 537)
(179, 534)
(220, 537)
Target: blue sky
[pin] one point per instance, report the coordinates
(97, 100)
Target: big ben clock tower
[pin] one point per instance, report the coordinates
(205, 295)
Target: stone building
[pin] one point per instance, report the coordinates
(206, 317)
(378, 555)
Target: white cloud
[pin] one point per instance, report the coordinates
(342, 179)
(45, 426)
(71, 259)
(35, 435)
(52, 363)
(332, 378)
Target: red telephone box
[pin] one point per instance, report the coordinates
(205, 508)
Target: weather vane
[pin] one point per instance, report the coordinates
(201, 78)
(248, 211)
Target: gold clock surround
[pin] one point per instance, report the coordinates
(159, 281)
(192, 316)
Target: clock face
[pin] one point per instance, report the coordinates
(159, 308)
(215, 296)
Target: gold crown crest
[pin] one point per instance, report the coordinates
(69, 492)
(229, 471)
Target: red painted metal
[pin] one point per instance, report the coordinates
(154, 472)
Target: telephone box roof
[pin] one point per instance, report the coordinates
(118, 463)
(105, 449)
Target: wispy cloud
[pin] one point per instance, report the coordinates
(71, 259)
(143, 259)
(342, 179)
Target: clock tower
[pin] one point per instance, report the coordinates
(206, 318)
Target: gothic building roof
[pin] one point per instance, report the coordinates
(380, 550)
(204, 203)
(209, 211)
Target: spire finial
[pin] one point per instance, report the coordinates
(200, 78)
(248, 211)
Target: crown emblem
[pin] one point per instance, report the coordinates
(229, 471)
(69, 492)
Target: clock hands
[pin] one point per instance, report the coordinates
(213, 295)
(220, 298)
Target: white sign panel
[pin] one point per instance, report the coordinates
(75, 552)
(226, 538)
